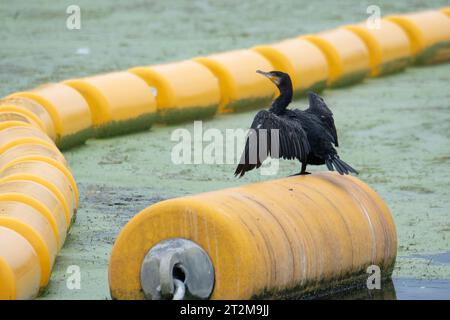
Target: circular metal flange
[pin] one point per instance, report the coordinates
(177, 269)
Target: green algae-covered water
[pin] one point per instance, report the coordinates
(394, 129)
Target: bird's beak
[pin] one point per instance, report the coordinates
(269, 75)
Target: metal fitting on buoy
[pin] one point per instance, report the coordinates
(177, 269)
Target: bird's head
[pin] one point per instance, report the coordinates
(284, 84)
(280, 79)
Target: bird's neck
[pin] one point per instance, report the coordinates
(280, 104)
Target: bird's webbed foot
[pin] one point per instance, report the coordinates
(300, 174)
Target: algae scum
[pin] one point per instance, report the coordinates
(394, 129)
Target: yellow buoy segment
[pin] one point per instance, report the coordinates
(55, 163)
(241, 87)
(292, 234)
(302, 60)
(14, 123)
(429, 34)
(119, 101)
(446, 11)
(10, 116)
(16, 135)
(347, 55)
(31, 225)
(20, 270)
(33, 110)
(42, 200)
(389, 46)
(184, 90)
(26, 150)
(68, 110)
(48, 176)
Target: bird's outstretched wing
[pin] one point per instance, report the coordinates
(275, 136)
(321, 110)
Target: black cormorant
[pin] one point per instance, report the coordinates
(306, 135)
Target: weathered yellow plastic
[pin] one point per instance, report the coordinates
(33, 110)
(347, 55)
(68, 110)
(446, 11)
(42, 200)
(429, 34)
(13, 136)
(55, 163)
(12, 123)
(270, 238)
(389, 46)
(24, 151)
(241, 87)
(48, 176)
(120, 102)
(185, 90)
(31, 225)
(20, 271)
(18, 118)
(302, 60)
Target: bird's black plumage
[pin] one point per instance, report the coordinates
(307, 136)
(319, 108)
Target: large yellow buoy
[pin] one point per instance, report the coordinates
(293, 235)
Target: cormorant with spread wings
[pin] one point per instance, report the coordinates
(306, 135)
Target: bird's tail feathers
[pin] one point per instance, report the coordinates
(335, 163)
(239, 171)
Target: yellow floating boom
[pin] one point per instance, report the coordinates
(185, 90)
(296, 234)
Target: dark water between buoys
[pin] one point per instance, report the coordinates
(400, 289)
